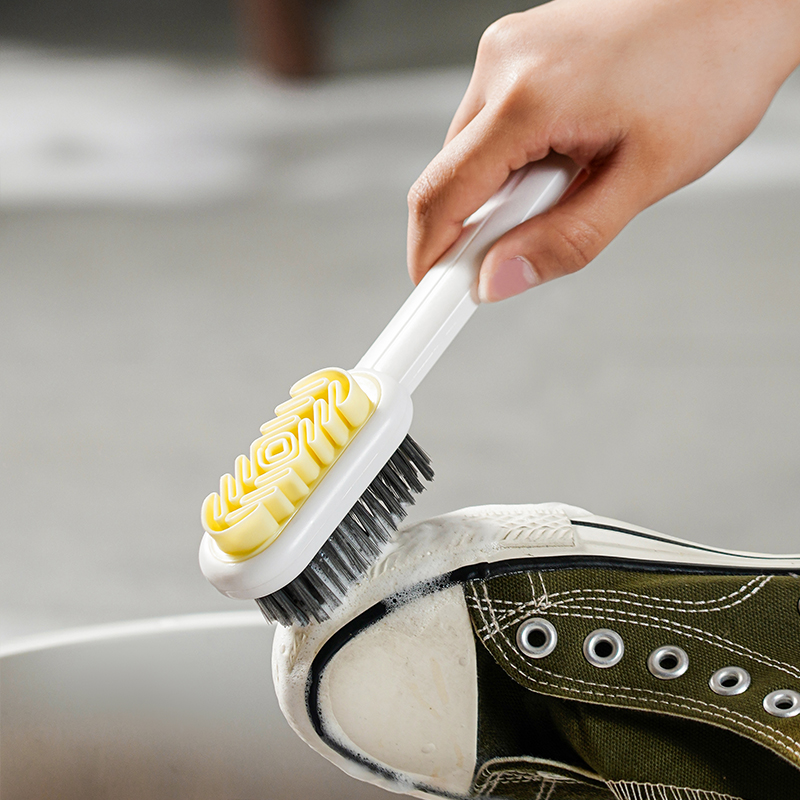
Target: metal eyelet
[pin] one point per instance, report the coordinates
(730, 681)
(603, 648)
(668, 662)
(782, 703)
(537, 637)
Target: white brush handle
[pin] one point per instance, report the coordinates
(447, 296)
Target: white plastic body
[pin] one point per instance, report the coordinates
(325, 507)
(447, 296)
(399, 359)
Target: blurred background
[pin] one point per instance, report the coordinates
(188, 227)
(201, 203)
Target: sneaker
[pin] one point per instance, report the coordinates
(538, 651)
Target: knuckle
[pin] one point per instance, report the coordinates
(421, 197)
(496, 37)
(574, 244)
(519, 92)
(490, 37)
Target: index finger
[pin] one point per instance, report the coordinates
(462, 177)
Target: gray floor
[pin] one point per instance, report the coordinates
(179, 245)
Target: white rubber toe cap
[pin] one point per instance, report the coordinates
(404, 692)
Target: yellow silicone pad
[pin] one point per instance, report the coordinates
(286, 462)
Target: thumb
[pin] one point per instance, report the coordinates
(562, 240)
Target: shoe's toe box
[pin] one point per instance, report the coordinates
(396, 694)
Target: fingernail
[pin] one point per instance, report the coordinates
(509, 278)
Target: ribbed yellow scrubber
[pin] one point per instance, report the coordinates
(286, 462)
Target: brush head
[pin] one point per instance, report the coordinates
(322, 489)
(287, 462)
(356, 542)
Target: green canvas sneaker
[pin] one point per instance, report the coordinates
(538, 651)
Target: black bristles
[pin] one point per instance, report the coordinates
(355, 544)
(418, 457)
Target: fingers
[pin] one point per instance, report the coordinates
(466, 173)
(562, 240)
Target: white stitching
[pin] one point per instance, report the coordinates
(491, 609)
(713, 639)
(720, 712)
(597, 590)
(509, 617)
(713, 600)
(723, 644)
(545, 594)
(633, 790)
(491, 773)
(489, 783)
(592, 595)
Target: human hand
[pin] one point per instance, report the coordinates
(644, 95)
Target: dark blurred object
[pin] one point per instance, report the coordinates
(281, 35)
(291, 37)
(182, 28)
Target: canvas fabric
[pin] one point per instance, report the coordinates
(559, 728)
